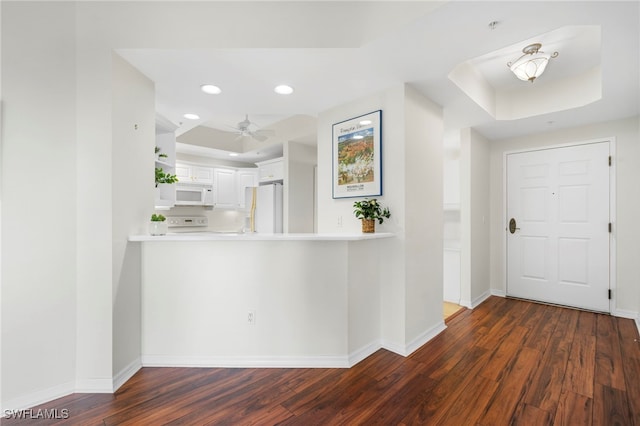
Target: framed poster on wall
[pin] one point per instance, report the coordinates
(357, 156)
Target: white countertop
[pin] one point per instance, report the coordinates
(222, 236)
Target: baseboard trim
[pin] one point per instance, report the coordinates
(499, 293)
(94, 386)
(422, 339)
(416, 343)
(364, 352)
(37, 398)
(638, 324)
(246, 361)
(622, 313)
(472, 304)
(126, 373)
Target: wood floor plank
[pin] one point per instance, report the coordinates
(610, 406)
(528, 415)
(546, 385)
(504, 362)
(469, 406)
(609, 370)
(574, 409)
(504, 355)
(513, 387)
(630, 349)
(579, 377)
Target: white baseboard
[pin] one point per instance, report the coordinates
(472, 304)
(622, 313)
(37, 398)
(246, 361)
(362, 353)
(415, 344)
(638, 324)
(94, 386)
(126, 373)
(499, 293)
(423, 338)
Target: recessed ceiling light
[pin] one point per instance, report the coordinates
(233, 154)
(210, 89)
(191, 116)
(283, 89)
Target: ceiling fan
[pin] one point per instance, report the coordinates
(244, 129)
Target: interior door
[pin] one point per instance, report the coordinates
(558, 225)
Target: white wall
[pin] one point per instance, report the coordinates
(626, 227)
(57, 105)
(474, 218)
(299, 186)
(133, 141)
(38, 201)
(411, 273)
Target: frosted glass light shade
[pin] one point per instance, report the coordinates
(530, 67)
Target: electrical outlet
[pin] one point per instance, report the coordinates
(251, 317)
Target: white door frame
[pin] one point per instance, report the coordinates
(612, 209)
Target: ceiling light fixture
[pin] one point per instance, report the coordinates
(189, 116)
(283, 89)
(531, 65)
(210, 89)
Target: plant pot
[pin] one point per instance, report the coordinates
(368, 226)
(158, 228)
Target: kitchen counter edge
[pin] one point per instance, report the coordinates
(175, 237)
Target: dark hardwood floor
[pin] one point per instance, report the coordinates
(505, 362)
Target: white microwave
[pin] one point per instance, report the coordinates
(194, 195)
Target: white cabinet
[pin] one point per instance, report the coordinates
(224, 188)
(271, 170)
(229, 186)
(245, 178)
(187, 173)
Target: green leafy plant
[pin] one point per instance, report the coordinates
(162, 177)
(370, 209)
(157, 149)
(163, 156)
(157, 218)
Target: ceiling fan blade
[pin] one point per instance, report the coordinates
(266, 132)
(259, 137)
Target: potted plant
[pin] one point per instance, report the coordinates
(369, 211)
(162, 177)
(160, 156)
(157, 226)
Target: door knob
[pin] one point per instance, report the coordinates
(512, 226)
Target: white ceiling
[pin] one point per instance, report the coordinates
(421, 48)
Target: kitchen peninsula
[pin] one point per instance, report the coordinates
(251, 300)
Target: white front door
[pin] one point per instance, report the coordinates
(558, 225)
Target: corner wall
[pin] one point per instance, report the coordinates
(474, 218)
(411, 270)
(38, 202)
(133, 143)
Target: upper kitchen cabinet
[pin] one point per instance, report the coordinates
(187, 173)
(225, 194)
(271, 170)
(165, 160)
(245, 178)
(229, 186)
